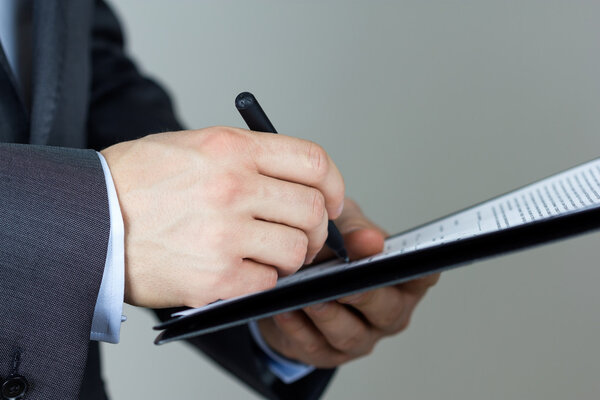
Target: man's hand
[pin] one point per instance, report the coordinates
(329, 334)
(219, 212)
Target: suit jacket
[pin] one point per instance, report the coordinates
(54, 220)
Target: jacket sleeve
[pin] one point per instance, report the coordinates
(54, 229)
(126, 105)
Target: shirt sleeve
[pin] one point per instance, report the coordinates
(106, 322)
(285, 369)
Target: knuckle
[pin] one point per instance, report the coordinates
(403, 325)
(360, 299)
(365, 298)
(288, 349)
(317, 208)
(269, 279)
(224, 133)
(324, 313)
(350, 342)
(291, 325)
(312, 348)
(391, 319)
(339, 194)
(227, 189)
(318, 160)
(287, 345)
(299, 250)
(221, 140)
(394, 313)
(336, 194)
(399, 326)
(319, 239)
(212, 138)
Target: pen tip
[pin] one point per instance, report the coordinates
(343, 254)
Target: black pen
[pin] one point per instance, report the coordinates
(257, 120)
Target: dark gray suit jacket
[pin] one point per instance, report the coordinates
(54, 220)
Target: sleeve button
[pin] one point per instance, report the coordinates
(14, 388)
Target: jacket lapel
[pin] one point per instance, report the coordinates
(49, 34)
(14, 123)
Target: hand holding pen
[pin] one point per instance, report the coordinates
(332, 333)
(257, 120)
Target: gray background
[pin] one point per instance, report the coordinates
(426, 107)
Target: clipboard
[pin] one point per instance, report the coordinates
(558, 207)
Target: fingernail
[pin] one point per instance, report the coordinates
(340, 209)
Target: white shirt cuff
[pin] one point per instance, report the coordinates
(106, 322)
(285, 369)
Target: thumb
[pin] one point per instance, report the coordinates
(353, 219)
(362, 237)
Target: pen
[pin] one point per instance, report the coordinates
(257, 120)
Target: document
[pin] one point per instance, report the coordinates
(557, 207)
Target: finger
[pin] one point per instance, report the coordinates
(304, 342)
(300, 161)
(361, 237)
(388, 309)
(419, 287)
(275, 338)
(295, 205)
(343, 329)
(278, 245)
(360, 244)
(247, 277)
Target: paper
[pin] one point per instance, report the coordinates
(570, 191)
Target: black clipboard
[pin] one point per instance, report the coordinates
(408, 265)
